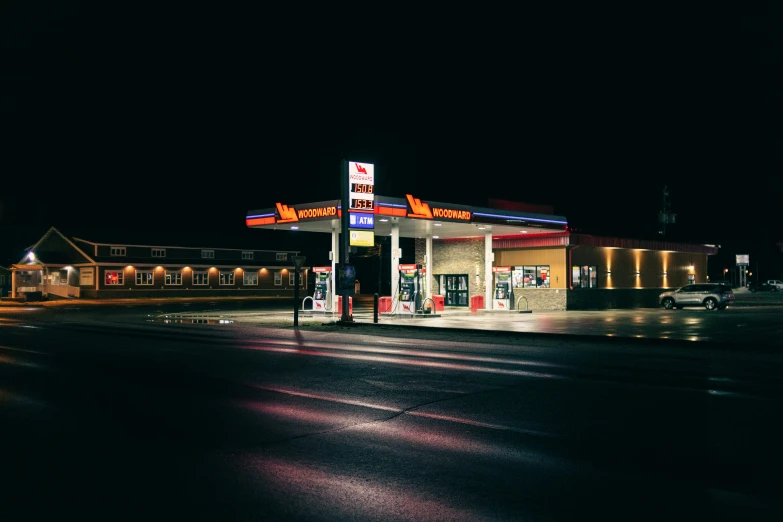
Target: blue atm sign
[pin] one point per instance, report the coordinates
(366, 221)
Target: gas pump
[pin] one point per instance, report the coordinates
(503, 298)
(322, 298)
(409, 289)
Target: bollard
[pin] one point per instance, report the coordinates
(375, 308)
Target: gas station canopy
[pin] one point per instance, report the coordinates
(413, 217)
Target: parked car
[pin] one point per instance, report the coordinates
(777, 283)
(711, 296)
(762, 287)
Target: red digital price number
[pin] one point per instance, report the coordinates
(362, 188)
(362, 204)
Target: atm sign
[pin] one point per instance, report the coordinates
(357, 220)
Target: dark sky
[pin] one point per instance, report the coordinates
(164, 124)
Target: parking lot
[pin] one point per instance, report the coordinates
(753, 319)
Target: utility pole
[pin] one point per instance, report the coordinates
(345, 247)
(665, 216)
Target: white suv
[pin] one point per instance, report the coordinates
(777, 283)
(710, 296)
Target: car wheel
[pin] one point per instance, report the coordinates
(668, 303)
(710, 303)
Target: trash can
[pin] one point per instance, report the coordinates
(439, 302)
(340, 305)
(476, 303)
(384, 305)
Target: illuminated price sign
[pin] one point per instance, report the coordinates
(362, 204)
(361, 177)
(362, 188)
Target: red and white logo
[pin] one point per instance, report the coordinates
(500, 304)
(318, 305)
(360, 169)
(407, 307)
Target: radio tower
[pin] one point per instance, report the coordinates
(665, 216)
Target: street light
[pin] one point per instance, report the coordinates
(298, 262)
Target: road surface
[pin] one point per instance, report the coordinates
(131, 420)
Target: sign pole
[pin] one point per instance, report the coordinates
(345, 247)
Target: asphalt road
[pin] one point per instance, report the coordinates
(111, 417)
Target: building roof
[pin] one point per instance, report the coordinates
(441, 220)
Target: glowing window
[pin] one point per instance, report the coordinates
(200, 278)
(113, 278)
(173, 278)
(530, 276)
(144, 277)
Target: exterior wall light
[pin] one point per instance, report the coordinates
(31, 256)
(608, 272)
(665, 273)
(637, 273)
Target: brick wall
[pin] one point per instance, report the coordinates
(541, 298)
(456, 256)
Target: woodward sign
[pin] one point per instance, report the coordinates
(286, 214)
(316, 212)
(423, 210)
(449, 213)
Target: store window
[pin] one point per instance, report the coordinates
(226, 278)
(250, 279)
(691, 279)
(278, 278)
(291, 279)
(584, 276)
(530, 276)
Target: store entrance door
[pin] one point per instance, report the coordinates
(454, 287)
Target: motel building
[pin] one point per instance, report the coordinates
(464, 255)
(58, 266)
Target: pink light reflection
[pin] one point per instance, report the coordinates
(408, 362)
(297, 412)
(356, 497)
(419, 353)
(330, 398)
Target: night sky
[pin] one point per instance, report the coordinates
(132, 124)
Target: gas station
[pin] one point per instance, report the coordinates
(441, 228)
